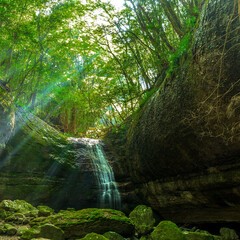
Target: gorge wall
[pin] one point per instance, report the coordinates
(181, 151)
(39, 165)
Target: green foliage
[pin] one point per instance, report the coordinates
(87, 66)
(178, 56)
(146, 96)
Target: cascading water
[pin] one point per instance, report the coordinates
(109, 196)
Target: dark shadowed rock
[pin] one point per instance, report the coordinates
(181, 149)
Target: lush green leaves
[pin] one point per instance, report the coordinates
(83, 66)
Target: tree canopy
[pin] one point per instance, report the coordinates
(83, 65)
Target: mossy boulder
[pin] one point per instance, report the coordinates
(30, 233)
(47, 231)
(198, 236)
(228, 234)
(94, 236)
(113, 236)
(9, 207)
(167, 230)
(22, 229)
(8, 229)
(17, 218)
(142, 218)
(79, 223)
(52, 232)
(44, 211)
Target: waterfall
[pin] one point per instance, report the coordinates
(109, 196)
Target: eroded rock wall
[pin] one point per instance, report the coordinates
(39, 165)
(182, 150)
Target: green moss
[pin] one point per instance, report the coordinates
(52, 232)
(198, 236)
(142, 218)
(8, 207)
(94, 236)
(113, 236)
(30, 233)
(44, 211)
(79, 223)
(167, 230)
(10, 230)
(228, 234)
(17, 218)
(65, 217)
(22, 229)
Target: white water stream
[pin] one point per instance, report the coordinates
(109, 194)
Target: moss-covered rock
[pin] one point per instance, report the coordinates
(228, 234)
(44, 211)
(113, 236)
(9, 229)
(198, 236)
(142, 218)
(22, 229)
(94, 236)
(30, 233)
(52, 232)
(79, 223)
(167, 230)
(48, 231)
(17, 218)
(9, 207)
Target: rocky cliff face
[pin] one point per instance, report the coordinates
(40, 166)
(182, 150)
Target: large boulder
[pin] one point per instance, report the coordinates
(44, 211)
(47, 231)
(79, 223)
(228, 234)
(167, 230)
(142, 218)
(8, 229)
(16, 209)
